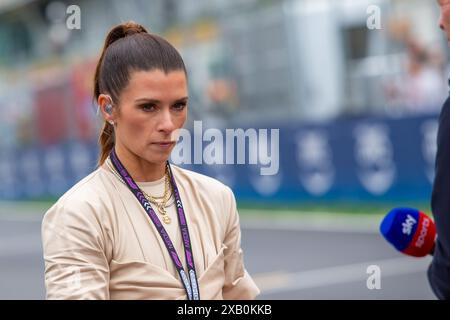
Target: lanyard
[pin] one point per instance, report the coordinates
(190, 284)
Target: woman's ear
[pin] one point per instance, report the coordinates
(106, 106)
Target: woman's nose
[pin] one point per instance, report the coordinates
(165, 122)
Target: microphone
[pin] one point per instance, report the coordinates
(410, 231)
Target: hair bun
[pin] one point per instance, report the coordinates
(123, 30)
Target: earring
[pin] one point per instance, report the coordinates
(111, 122)
(108, 109)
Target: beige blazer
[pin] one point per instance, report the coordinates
(99, 243)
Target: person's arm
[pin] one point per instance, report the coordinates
(75, 263)
(238, 283)
(439, 270)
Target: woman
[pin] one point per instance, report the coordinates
(139, 227)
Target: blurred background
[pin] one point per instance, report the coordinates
(355, 88)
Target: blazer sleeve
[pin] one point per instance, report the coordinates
(439, 270)
(76, 266)
(238, 282)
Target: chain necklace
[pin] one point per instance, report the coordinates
(160, 205)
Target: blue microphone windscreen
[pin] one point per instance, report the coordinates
(399, 227)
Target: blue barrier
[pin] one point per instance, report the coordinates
(347, 159)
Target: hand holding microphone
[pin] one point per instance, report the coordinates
(410, 231)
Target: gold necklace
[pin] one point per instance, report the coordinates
(161, 206)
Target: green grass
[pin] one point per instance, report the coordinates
(24, 207)
(253, 209)
(347, 208)
(359, 215)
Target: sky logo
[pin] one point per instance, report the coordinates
(408, 225)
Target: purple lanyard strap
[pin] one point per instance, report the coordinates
(191, 286)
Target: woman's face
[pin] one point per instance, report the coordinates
(152, 108)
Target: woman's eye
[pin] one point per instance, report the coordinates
(148, 107)
(180, 106)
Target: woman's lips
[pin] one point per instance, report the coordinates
(167, 144)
